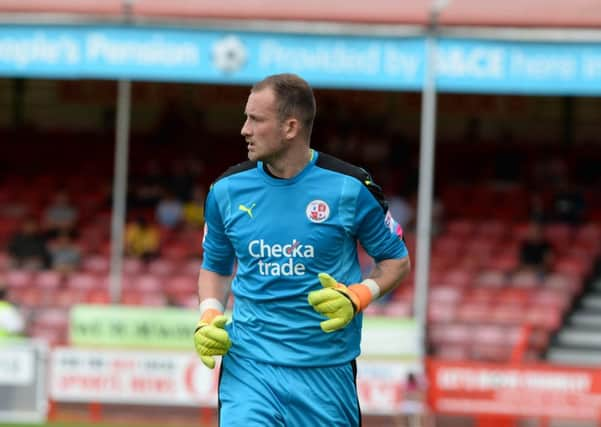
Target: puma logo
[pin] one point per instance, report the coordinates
(249, 211)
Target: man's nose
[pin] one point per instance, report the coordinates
(245, 131)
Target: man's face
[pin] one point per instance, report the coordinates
(263, 130)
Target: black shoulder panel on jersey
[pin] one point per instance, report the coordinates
(240, 167)
(332, 163)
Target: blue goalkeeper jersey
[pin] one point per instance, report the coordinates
(283, 232)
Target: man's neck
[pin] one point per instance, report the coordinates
(291, 165)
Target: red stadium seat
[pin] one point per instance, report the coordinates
(96, 264)
(474, 312)
(481, 295)
(573, 266)
(132, 266)
(4, 261)
(98, 296)
(152, 299)
(508, 314)
(49, 279)
(19, 278)
(450, 333)
(163, 267)
(460, 228)
(180, 285)
(491, 279)
(65, 298)
(458, 278)
(493, 230)
(548, 318)
(146, 283)
(85, 281)
(563, 282)
(439, 312)
(558, 234)
(397, 309)
(445, 295)
(525, 279)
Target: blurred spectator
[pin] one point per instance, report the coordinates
(194, 209)
(401, 210)
(142, 240)
(181, 181)
(568, 204)
(536, 253)
(27, 247)
(536, 210)
(149, 187)
(12, 322)
(60, 217)
(507, 161)
(169, 211)
(65, 254)
(412, 407)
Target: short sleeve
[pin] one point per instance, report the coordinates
(378, 232)
(219, 255)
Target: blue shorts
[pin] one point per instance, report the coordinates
(257, 394)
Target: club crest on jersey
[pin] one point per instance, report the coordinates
(318, 211)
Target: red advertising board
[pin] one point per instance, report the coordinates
(465, 388)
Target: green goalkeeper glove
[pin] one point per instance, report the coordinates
(338, 302)
(211, 339)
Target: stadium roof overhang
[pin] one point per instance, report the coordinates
(510, 13)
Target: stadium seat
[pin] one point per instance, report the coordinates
(397, 309)
(132, 266)
(473, 312)
(180, 285)
(558, 234)
(547, 318)
(96, 264)
(151, 299)
(48, 279)
(508, 314)
(4, 261)
(450, 333)
(525, 279)
(563, 282)
(19, 278)
(163, 267)
(493, 230)
(65, 298)
(191, 267)
(98, 296)
(460, 228)
(146, 283)
(459, 278)
(491, 279)
(84, 281)
(480, 295)
(439, 312)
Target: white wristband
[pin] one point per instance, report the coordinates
(373, 287)
(211, 303)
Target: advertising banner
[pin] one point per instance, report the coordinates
(333, 61)
(172, 328)
(178, 378)
(210, 56)
(521, 391)
(23, 379)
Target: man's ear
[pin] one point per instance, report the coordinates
(291, 128)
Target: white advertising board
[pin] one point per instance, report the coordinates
(178, 378)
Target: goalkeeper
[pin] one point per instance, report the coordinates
(291, 217)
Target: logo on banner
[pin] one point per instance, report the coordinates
(229, 54)
(318, 211)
